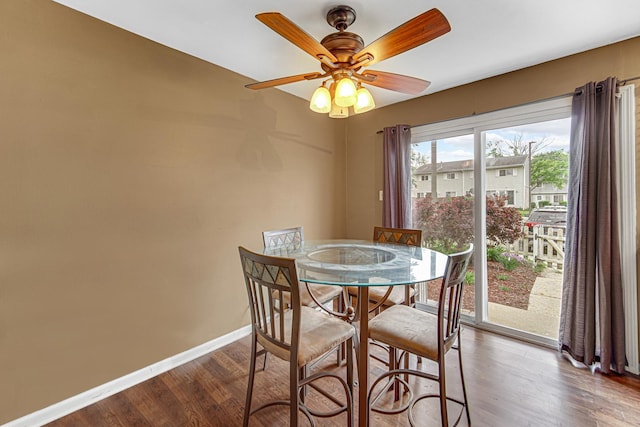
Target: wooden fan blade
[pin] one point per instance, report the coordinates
(283, 81)
(396, 82)
(413, 33)
(290, 31)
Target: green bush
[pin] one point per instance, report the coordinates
(533, 205)
(539, 267)
(469, 278)
(543, 203)
(511, 261)
(494, 253)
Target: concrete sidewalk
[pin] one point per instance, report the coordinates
(543, 315)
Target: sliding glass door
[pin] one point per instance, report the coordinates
(498, 181)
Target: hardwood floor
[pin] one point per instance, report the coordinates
(510, 383)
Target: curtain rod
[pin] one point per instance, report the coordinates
(620, 83)
(578, 91)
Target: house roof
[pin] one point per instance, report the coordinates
(467, 165)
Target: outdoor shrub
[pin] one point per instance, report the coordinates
(504, 224)
(511, 261)
(469, 278)
(448, 223)
(543, 203)
(494, 253)
(533, 205)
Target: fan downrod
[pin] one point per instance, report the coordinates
(340, 17)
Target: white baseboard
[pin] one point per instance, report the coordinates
(72, 404)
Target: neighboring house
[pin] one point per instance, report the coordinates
(549, 193)
(506, 176)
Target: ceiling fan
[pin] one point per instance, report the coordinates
(343, 56)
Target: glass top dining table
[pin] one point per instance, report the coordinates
(362, 263)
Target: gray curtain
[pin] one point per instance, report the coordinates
(396, 205)
(592, 318)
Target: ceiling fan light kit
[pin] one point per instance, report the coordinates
(364, 101)
(321, 100)
(345, 92)
(342, 55)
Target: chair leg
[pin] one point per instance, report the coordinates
(442, 382)
(252, 373)
(302, 374)
(294, 392)
(338, 307)
(393, 364)
(464, 388)
(349, 346)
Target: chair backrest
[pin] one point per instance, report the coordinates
(285, 237)
(450, 299)
(274, 299)
(402, 236)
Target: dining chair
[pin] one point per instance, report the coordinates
(386, 296)
(297, 334)
(311, 294)
(408, 330)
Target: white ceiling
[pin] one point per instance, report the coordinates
(487, 38)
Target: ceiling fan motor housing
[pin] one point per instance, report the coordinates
(343, 45)
(340, 17)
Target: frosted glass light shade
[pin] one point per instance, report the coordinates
(321, 100)
(345, 93)
(338, 112)
(364, 101)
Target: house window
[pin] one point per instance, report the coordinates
(538, 198)
(420, 195)
(510, 195)
(424, 177)
(450, 176)
(505, 172)
(450, 194)
(557, 198)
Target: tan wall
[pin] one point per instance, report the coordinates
(364, 145)
(129, 174)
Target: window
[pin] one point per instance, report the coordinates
(450, 194)
(557, 198)
(510, 195)
(505, 172)
(420, 195)
(424, 177)
(450, 176)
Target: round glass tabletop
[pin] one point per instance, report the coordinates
(362, 263)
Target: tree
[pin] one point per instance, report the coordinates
(516, 146)
(551, 167)
(417, 159)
